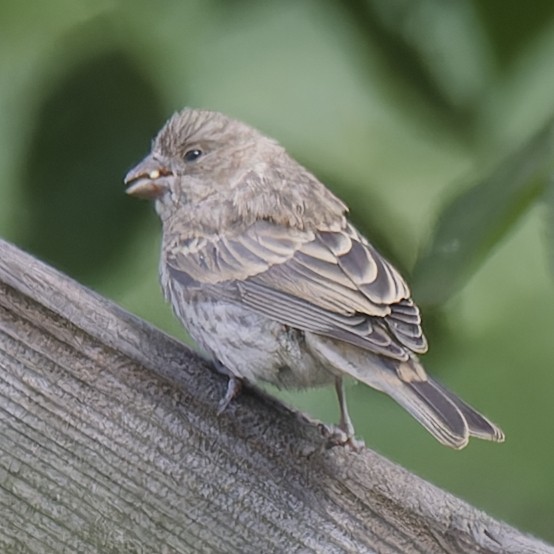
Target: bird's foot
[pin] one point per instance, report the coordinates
(234, 386)
(336, 436)
(343, 435)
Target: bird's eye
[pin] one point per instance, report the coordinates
(192, 155)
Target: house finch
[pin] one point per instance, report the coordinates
(263, 268)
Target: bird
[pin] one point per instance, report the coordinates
(264, 269)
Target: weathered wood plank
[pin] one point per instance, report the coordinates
(110, 443)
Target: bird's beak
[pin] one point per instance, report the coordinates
(148, 179)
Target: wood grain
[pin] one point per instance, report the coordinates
(110, 443)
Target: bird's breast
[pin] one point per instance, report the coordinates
(248, 344)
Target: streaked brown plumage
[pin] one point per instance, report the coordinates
(268, 276)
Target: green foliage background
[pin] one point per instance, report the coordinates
(432, 119)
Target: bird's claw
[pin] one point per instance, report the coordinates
(335, 436)
(234, 386)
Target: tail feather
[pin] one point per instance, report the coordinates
(448, 418)
(479, 425)
(434, 410)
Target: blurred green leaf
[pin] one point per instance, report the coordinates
(474, 222)
(382, 27)
(89, 129)
(511, 25)
(549, 199)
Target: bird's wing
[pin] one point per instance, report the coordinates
(330, 282)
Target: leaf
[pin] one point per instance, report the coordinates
(86, 133)
(549, 239)
(472, 224)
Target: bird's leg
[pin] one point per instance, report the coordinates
(344, 435)
(234, 386)
(345, 423)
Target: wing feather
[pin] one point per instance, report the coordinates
(330, 282)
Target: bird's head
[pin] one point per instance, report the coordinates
(197, 154)
(209, 169)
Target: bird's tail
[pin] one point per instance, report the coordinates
(448, 418)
